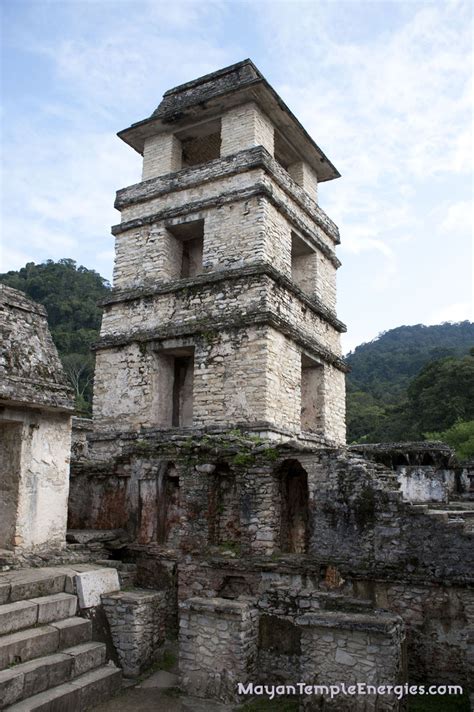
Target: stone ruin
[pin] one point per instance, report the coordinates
(36, 406)
(215, 476)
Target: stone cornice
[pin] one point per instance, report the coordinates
(244, 161)
(258, 269)
(237, 320)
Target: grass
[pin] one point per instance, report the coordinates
(439, 703)
(168, 661)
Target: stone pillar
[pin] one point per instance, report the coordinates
(244, 127)
(161, 155)
(304, 175)
(352, 648)
(217, 646)
(137, 623)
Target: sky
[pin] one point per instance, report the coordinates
(384, 88)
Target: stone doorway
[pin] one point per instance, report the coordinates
(294, 508)
(10, 458)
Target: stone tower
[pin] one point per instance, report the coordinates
(223, 314)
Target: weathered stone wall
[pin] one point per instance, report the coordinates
(438, 619)
(352, 648)
(242, 377)
(237, 296)
(43, 479)
(243, 127)
(218, 646)
(304, 175)
(161, 155)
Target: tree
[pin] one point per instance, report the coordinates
(459, 436)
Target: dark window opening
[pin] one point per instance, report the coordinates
(233, 587)
(10, 455)
(188, 247)
(200, 144)
(224, 508)
(183, 377)
(279, 635)
(284, 152)
(303, 264)
(168, 506)
(312, 395)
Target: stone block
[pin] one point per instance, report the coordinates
(11, 687)
(15, 616)
(85, 657)
(97, 685)
(55, 607)
(32, 583)
(27, 644)
(43, 673)
(91, 585)
(63, 698)
(73, 631)
(4, 593)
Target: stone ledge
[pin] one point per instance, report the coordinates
(219, 606)
(233, 196)
(125, 295)
(238, 321)
(243, 161)
(380, 623)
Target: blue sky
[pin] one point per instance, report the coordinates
(383, 87)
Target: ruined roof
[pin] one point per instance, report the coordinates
(30, 370)
(214, 93)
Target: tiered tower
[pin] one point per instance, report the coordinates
(223, 314)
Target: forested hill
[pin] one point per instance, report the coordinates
(384, 367)
(414, 383)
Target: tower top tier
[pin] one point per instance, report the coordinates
(212, 95)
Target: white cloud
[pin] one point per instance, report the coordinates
(458, 218)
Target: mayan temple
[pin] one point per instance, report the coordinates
(223, 313)
(214, 508)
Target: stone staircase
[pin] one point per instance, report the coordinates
(457, 515)
(48, 661)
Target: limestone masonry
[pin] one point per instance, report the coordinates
(215, 476)
(223, 308)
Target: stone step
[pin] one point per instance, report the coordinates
(78, 695)
(24, 614)
(31, 678)
(33, 643)
(25, 584)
